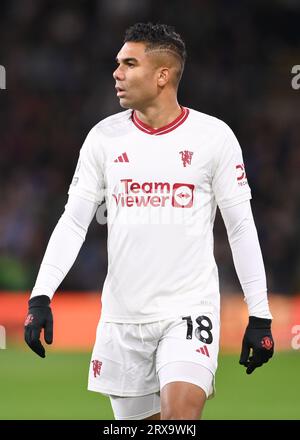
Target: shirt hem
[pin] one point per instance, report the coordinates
(155, 318)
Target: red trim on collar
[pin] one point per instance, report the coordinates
(162, 130)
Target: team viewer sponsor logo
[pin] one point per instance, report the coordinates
(183, 195)
(154, 194)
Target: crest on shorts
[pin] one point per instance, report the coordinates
(96, 367)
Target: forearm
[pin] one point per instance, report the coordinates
(61, 253)
(64, 245)
(247, 257)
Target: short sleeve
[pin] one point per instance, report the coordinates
(88, 180)
(229, 180)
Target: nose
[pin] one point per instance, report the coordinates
(118, 74)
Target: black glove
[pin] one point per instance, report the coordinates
(258, 337)
(39, 316)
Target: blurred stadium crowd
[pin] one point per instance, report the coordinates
(59, 57)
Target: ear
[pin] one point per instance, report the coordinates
(163, 76)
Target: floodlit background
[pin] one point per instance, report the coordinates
(59, 58)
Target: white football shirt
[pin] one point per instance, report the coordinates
(162, 188)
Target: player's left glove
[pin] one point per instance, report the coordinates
(257, 337)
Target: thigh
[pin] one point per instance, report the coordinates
(182, 401)
(187, 372)
(135, 408)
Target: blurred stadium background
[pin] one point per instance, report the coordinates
(59, 58)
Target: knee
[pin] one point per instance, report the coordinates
(172, 416)
(180, 413)
(182, 401)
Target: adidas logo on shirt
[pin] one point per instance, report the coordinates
(122, 158)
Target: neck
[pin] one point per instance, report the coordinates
(159, 114)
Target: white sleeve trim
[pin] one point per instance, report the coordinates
(247, 257)
(64, 245)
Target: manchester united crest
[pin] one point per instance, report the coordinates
(96, 367)
(186, 157)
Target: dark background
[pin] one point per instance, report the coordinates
(59, 58)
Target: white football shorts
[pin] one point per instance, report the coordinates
(137, 360)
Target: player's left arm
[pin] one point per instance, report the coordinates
(258, 344)
(232, 194)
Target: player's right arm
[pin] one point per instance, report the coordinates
(62, 250)
(85, 194)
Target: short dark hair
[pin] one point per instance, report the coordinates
(158, 36)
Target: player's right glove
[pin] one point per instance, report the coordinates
(258, 338)
(39, 317)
